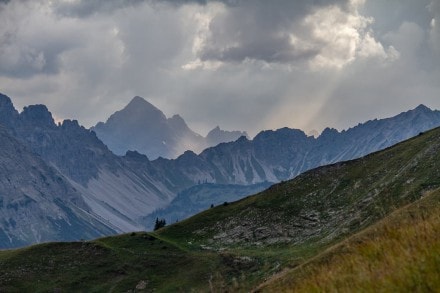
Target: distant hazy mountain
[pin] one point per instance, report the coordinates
(142, 127)
(217, 136)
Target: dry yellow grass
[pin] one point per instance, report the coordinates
(398, 254)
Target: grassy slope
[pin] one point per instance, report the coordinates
(401, 253)
(224, 247)
(110, 264)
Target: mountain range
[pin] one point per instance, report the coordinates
(364, 225)
(117, 190)
(142, 127)
(120, 192)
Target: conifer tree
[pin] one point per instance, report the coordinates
(159, 224)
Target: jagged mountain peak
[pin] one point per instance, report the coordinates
(422, 108)
(328, 132)
(136, 156)
(37, 115)
(216, 131)
(242, 139)
(138, 110)
(282, 133)
(188, 156)
(138, 99)
(178, 123)
(142, 127)
(71, 125)
(141, 103)
(217, 136)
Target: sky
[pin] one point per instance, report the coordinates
(241, 64)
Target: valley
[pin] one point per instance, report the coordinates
(342, 212)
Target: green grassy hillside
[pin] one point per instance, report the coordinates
(113, 264)
(237, 246)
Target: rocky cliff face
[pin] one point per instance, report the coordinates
(37, 203)
(142, 127)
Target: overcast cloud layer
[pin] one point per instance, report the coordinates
(241, 64)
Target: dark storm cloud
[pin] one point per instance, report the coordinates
(241, 64)
(272, 49)
(248, 30)
(262, 30)
(259, 30)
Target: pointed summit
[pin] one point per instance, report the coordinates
(142, 127)
(138, 110)
(140, 102)
(328, 133)
(422, 108)
(138, 99)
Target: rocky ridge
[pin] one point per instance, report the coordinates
(285, 153)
